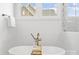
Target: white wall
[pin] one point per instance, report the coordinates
(6, 8)
(49, 31)
(3, 34)
(4, 30)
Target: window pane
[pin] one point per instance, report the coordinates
(70, 5)
(70, 9)
(28, 9)
(77, 5)
(49, 5)
(49, 9)
(73, 9)
(77, 9)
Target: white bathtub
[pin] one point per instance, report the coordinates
(26, 50)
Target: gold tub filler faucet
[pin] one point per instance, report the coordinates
(37, 50)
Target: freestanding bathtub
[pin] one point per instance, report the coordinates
(26, 50)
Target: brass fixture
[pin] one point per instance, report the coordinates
(37, 50)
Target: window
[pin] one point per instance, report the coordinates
(72, 9)
(28, 9)
(49, 9)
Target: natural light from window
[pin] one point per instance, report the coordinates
(72, 9)
(49, 9)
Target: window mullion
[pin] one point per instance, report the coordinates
(39, 9)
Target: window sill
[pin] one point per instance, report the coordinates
(40, 18)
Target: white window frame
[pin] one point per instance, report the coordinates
(39, 14)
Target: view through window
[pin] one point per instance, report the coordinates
(72, 9)
(49, 9)
(28, 9)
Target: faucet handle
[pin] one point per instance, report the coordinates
(37, 38)
(33, 36)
